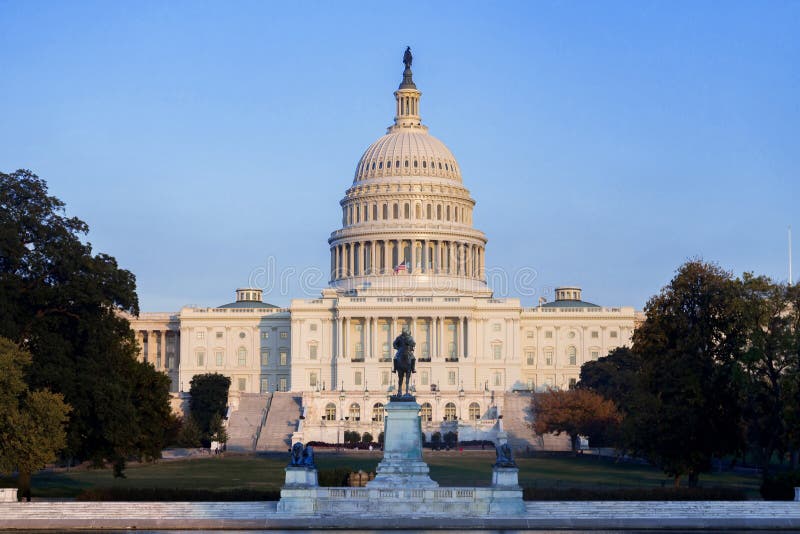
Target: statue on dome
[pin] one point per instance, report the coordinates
(407, 57)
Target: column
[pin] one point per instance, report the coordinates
(441, 338)
(386, 258)
(465, 335)
(413, 256)
(350, 270)
(345, 336)
(339, 340)
(163, 350)
(461, 351)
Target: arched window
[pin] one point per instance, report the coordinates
(377, 412)
(415, 164)
(426, 412)
(385, 212)
(380, 164)
(406, 164)
(447, 217)
(572, 354)
(418, 211)
(428, 211)
(396, 211)
(397, 163)
(450, 412)
(373, 165)
(439, 212)
(389, 164)
(407, 211)
(330, 412)
(355, 412)
(474, 411)
(424, 164)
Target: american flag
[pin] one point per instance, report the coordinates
(402, 268)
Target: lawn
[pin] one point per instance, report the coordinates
(470, 468)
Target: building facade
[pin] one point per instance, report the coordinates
(406, 257)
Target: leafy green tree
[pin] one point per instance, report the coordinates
(189, 434)
(367, 437)
(612, 376)
(67, 306)
(217, 430)
(770, 362)
(577, 412)
(208, 397)
(31, 422)
(685, 409)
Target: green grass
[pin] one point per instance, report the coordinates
(470, 468)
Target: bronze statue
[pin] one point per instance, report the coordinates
(404, 361)
(302, 457)
(504, 457)
(407, 57)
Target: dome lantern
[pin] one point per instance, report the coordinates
(407, 98)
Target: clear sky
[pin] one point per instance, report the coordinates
(604, 142)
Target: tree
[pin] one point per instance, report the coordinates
(367, 438)
(189, 435)
(576, 412)
(217, 429)
(67, 307)
(612, 376)
(31, 422)
(685, 407)
(208, 397)
(770, 363)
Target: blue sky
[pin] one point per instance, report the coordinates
(604, 142)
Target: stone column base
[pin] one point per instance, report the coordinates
(505, 477)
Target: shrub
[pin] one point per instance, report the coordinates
(380, 438)
(336, 477)
(367, 438)
(451, 438)
(780, 487)
(177, 494)
(633, 494)
(436, 438)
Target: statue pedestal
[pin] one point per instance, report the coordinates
(402, 465)
(506, 477)
(300, 477)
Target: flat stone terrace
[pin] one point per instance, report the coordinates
(594, 515)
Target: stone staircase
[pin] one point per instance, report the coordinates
(517, 421)
(282, 419)
(245, 424)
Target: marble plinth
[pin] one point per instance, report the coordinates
(402, 465)
(300, 477)
(797, 494)
(507, 477)
(8, 494)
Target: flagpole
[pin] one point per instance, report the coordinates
(790, 254)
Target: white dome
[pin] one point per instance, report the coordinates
(407, 152)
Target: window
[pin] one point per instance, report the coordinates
(530, 385)
(264, 357)
(572, 354)
(451, 378)
(313, 327)
(171, 362)
(384, 327)
(595, 354)
(451, 350)
(572, 383)
(330, 412)
(424, 378)
(242, 335)
(264, 385)
(613, 333)
(496, 327)
(426, 412)
(219, 356)
(450, 412)
(201, 334)
(312, 379)
(284, 335)
(474, 411)
(548, 334)
(312, 352)
(529, 334)
(386, 351)
(201, 359)
(242, 384)
(530, 358)
(359, 351)
(497, 378)
(384, 378)
(284, 357)
(595, 334)
(497, 351)
(357, 378)
(219, 335)
(377, 412)
(571, 334)
(283, 384)
(426, 351)
(548, 357)
(264, 334)
(242, 357)
(355, 412)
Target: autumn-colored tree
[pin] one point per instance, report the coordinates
(31, 422)
(578, 412)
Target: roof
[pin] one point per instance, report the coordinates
(569, 304)
(248, 304)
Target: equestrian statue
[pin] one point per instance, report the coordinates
(404, 361)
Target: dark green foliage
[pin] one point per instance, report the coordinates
(189, 435)
(780, 487)
(177, 494)
(351, 436)
(367, 437)
(66, 305)
(612, 376)
(209, 397)
(380, 438)
(334, 478)
(639, 494)
(436, 438)
(451, 438)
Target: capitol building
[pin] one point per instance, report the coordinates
(407, 256)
